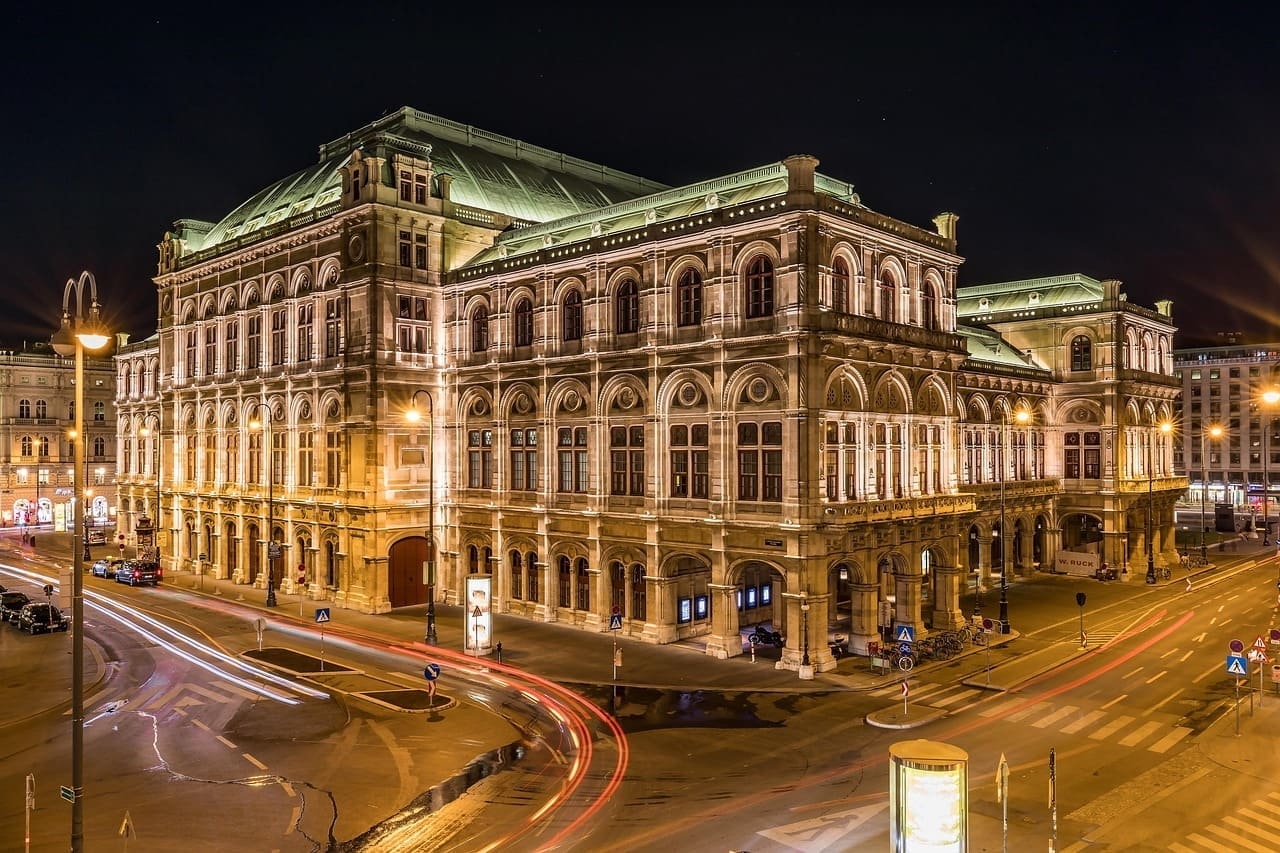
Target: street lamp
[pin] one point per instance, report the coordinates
(1214, 431)
(1165, 428)
(804, 628)
(1021, 417)
(77, 334)
(264, 425)
(413, 416)
(1271, 396)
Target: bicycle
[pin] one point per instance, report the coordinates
(1164, 574)
(904, 661)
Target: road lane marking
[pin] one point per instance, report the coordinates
(288, 788)
(1260, 818)
(1159, 675)
(1167, 742)
(1183, 659)
(999, 710)
(227, 743)
(1180, 848)
(1210, 843)
(255, 762)
(1027, 712)
(1218, 670)
(951, 700)
(1119, 698)
(1166, 654)
(1247, 827)
(1082, 723)
(1241, 843)
(1162, 702)
(1111, 728)
(1199, 638)
(1060, 714)
(1131, 673)
(1140, 734)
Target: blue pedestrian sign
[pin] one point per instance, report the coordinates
(322, 615)
(431, 672)
(615, 622)
(1237, 665)
(904, 634)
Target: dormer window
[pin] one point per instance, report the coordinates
(1033, 299)
(984, 304)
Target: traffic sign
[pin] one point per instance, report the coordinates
(904, 634)
(322, 615)
(1275, 636)
(1237, 665)
(431, 672)
(988, 624)
(906, 691)
(67, 794)
(1236, 646)
(1257, 656)
(1259, 643)
(615, 622)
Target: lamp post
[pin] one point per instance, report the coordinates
(1151, 476)
(264, 425)
(413, 416)
(1271, 396)
(804, 628)
(1215, 431)
(1021, 417)
(76, 334)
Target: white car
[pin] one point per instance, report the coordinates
(106, 567)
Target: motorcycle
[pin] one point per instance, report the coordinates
(762, 636)
(839, 646)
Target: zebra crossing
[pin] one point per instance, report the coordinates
(1254, 827)
(1101, 725)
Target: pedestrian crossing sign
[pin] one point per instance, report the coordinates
(1237, 665)
(904, 634)
(615, 622)
(322, 615)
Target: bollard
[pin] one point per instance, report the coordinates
(497, 648)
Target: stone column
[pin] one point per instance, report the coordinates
(907, 591)
(862, 626)
(946, 597)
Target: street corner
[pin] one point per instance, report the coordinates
(897, 718)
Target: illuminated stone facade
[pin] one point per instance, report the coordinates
(744, 400)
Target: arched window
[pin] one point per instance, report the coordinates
(43, 444)
(517, 572)
(628, 308)
(480, 330)
(928, 307)
(583, 575)
(42, 409)
(566, 581)
(99, 447)
(524, 323)
(531, 567)
(840, 286)
(572, 326)
(689, 298)
(639, 608)
(25, 444)
(760, 287)
(24, 408)
(1081, 353)
(888, 292)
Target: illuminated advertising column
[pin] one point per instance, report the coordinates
(478, 623)
(928, 798)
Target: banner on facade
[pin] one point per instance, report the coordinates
(1077, 563)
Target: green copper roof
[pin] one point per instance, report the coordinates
(657, 209)
(1027, 295)
(489, 171)
(986, 346)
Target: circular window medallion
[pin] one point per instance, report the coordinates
(523, 404)
(627, 398)
(479, 408)
(572, 402)
(758, 391)
(355, 247)
(688, 394)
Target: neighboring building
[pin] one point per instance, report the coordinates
(1223, 386)
(37, 413)
(744, 400)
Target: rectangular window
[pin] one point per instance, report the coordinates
(231, 348)
(405, 248)
(254, 342)
(406, 185)
(480, 459)
(211, 350)
(306, 457)
(420, 189)
(333, 458)
(524, 460)
(572, 458)
(279, 321)
(420, 251)
(626, 460)
(760, 461)
(332, 328)
(210, 457)
(306, 331)
(193, 369)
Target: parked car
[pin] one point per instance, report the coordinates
(134, 572)
(10, 604)
(106, 567)
(39, 618)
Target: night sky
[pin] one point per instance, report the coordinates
(1137, 144)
